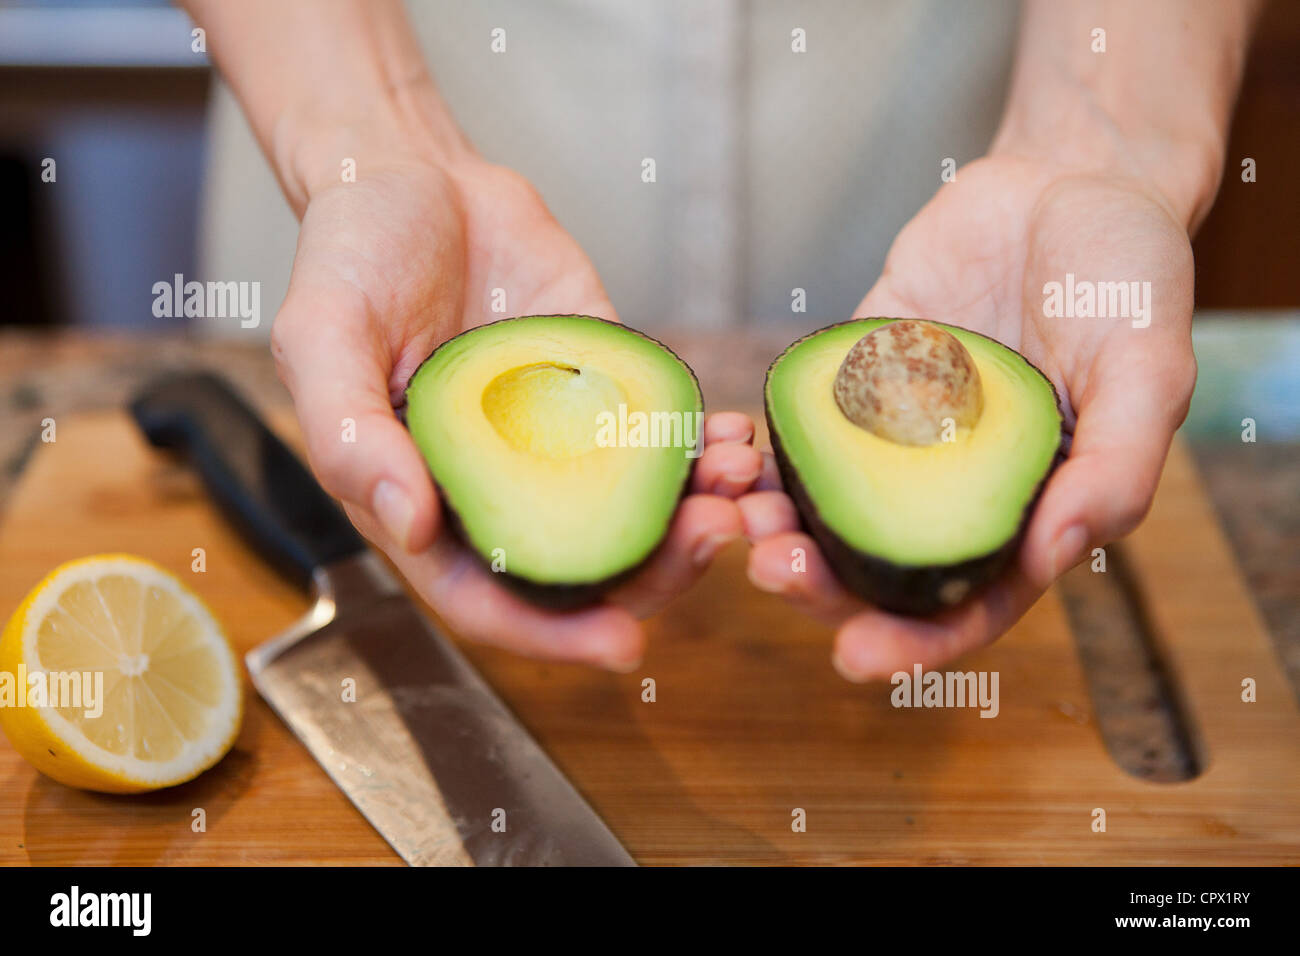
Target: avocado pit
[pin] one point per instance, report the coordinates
(907, 381)
(548, 409)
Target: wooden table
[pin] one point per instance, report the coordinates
(750, 719)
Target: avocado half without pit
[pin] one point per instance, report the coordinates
(561, 446)
(915, 453)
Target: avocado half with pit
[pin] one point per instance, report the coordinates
(915, 453)
(561, 445)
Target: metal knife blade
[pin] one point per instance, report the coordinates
(387, 705)
(424, 748)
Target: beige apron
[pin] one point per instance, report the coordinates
(775, 170)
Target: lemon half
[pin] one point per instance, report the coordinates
(170, 696)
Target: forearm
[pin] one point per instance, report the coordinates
(1155, 105)
(325, 80)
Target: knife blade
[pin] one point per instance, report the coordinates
(386, 704)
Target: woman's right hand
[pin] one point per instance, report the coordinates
(392, 264)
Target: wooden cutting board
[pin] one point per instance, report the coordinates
(749, 725)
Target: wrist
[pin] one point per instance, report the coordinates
(1068, 126)
(324, 141)
(1154, 107)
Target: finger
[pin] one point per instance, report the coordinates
(769, 479)
(874, 644)
(337, 372)
(728, 427)
(726, 469)
(767, 513)
(1101, 493)
(474, 603)
(792, 565)
(703, 526)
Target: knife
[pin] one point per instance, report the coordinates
(423, 747)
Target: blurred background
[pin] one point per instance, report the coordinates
(114, 94)
(156, 174)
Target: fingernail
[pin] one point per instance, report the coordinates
(623, 666)
(726, 484)
(770, 587)
(1067, 549)
(708, 548)
(394, 510)
(744, 439)
(867, 666)
(844, 670)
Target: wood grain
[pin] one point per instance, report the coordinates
(750, 721)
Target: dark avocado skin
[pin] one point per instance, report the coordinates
(901, 589)
(561, 597)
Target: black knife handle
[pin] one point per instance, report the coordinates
(258, 483)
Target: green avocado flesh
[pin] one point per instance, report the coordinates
(912, 528)
(560, 445)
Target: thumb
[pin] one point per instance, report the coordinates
(1127, 420)
(337, 368)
